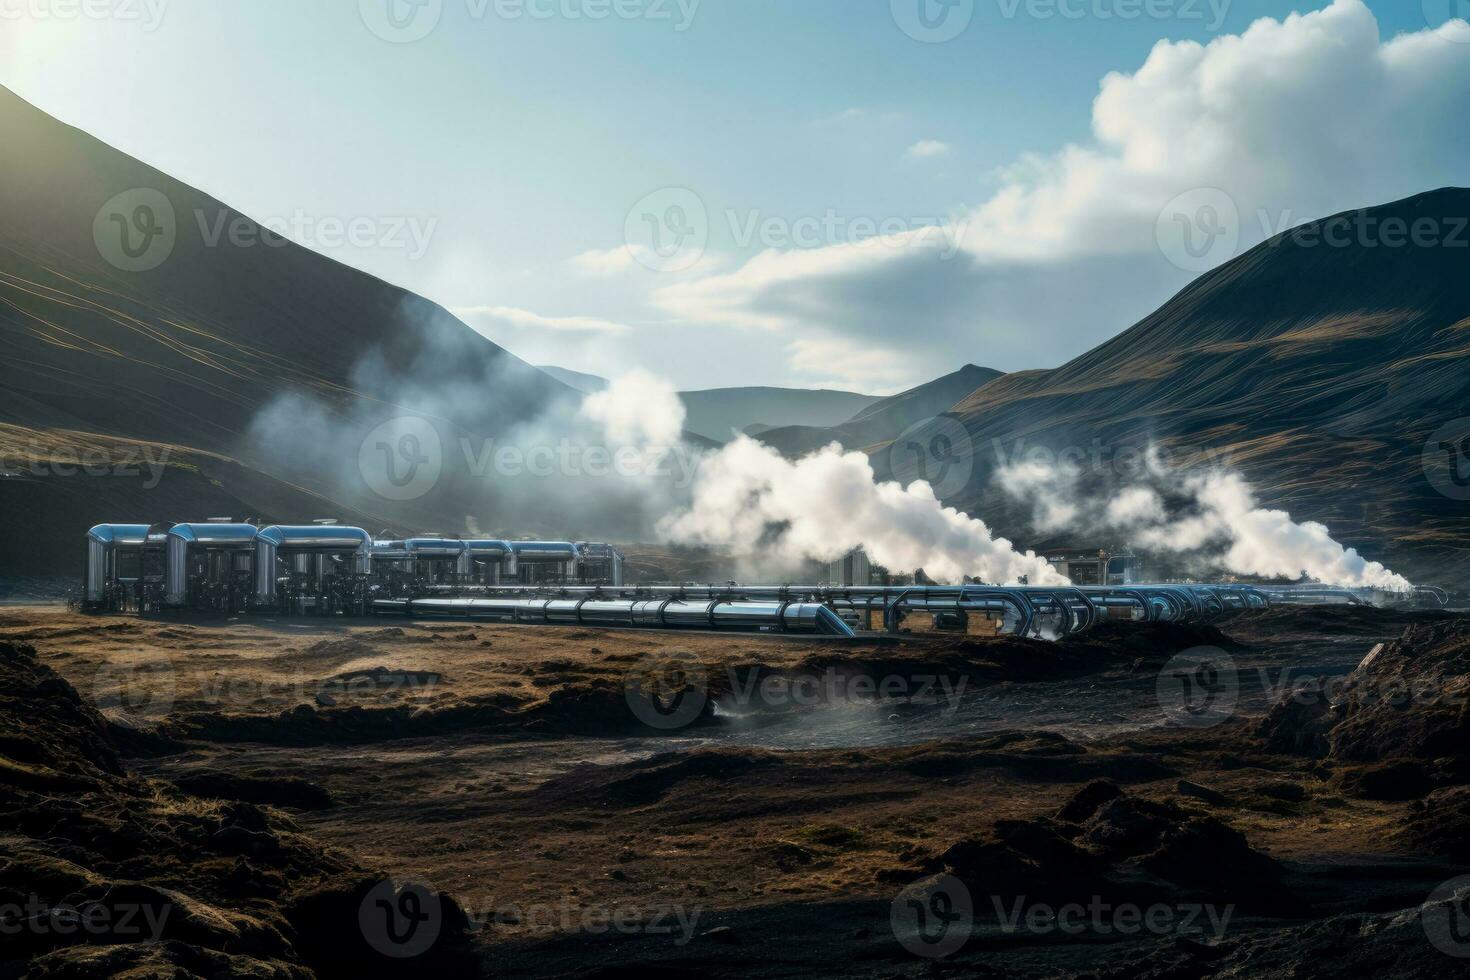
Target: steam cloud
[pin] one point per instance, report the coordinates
(1213, 513)
(773, 513)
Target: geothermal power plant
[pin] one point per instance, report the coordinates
(325, 569)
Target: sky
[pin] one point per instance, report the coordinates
(858, 194)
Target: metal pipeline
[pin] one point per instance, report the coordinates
(667, 613)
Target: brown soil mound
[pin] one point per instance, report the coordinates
(106, 874)
(1109, 844)
(1394, 729)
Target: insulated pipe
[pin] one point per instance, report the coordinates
(666, 613)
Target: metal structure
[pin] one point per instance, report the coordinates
(326, 569)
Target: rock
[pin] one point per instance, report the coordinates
(285, 791)
(1388, 781)
(1298, 724)
(1085, 802)
(1198, 792)
(1440, 823)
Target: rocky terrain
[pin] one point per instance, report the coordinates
(261, 780)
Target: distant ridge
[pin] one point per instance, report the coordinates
(885, 419)
(1320, 370)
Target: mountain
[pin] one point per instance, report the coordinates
(1320, 363)
(717, 412)
(585, 383)
(885, 419)
(134, 307)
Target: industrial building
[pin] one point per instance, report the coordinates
(227, 566)
(323, 569)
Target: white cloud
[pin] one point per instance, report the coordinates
(1293, 119)
(607, 263)
(581, 343)
(927, 149)
(517, 319)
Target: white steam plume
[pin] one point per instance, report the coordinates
(1215, 515)
(637, 409)
(774, 513)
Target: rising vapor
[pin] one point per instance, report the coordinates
(1212, 515)
(774, 514)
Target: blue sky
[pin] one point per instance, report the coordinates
(525, 148)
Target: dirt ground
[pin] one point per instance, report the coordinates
(768, 815)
